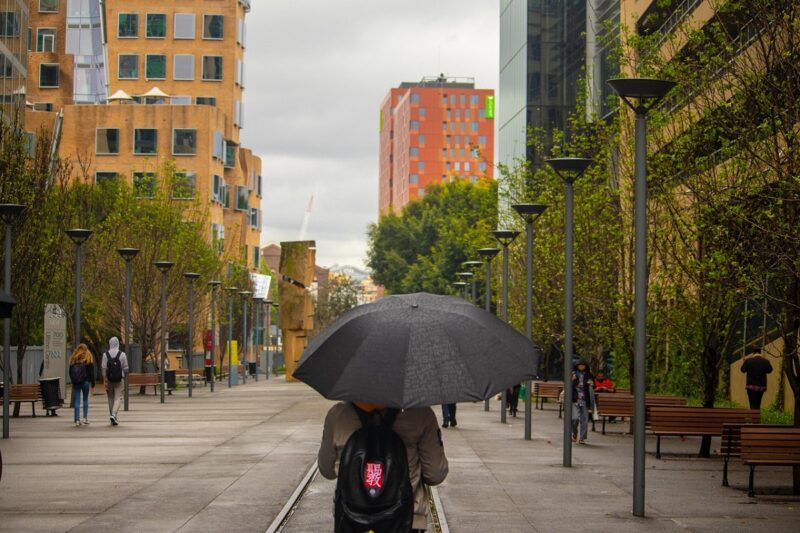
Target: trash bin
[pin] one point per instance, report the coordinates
(209, 373)
(234, 374)
(51, 394)
(169, 379)
(251, 368)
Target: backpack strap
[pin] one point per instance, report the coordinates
(375, 419)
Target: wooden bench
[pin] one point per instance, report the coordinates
(696, 421)
(145, 379)
(769, 446)
(25, 393)
(621, 404)
(542, 390)
(731, 445)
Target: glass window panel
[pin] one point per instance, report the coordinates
(241, 198)
(183, 66)
(107, 141)
(46, 40)
(414, 98)
(48, 6)
(144, 184)
(145, 141)
(180, 100)
(128, 68)
(48, 76)
(212, 26)
(156, 67)
(206, 100)
(413, 125)
(184, 142)
(212, 68)
(184, 25)
(421, 140)
(184, 185)
(156, 26)
(100, 177)
(230, 155)
(9, 24)
(128, 26)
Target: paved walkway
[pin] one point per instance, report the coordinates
(229, 461)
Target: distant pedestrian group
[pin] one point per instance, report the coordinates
(114, 367)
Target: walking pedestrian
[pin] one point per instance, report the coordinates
(417, 429)
(81, 374)
(512, 399)
(115, 368)
(756, 367)
(582, 382)
(449, 415)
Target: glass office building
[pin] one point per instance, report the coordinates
(14, 57)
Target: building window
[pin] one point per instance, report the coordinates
(9, 24)
(107, 141)
(413, 179)
(145, 141)
(155, 67)
(48, 75)
(482, 166)
(48, 6)
(180, 100)
(259, 181)
(253, 218)
(457, 166)
(473, 99)
(184, 26)
(144, 184)
(206, 100)
(414, 98)
(212, 68)
(421, 139)
(230, 155)
(482, 140)
(467, 114)
(413, 125)
(105, 177)
(448, 115)
(421, 166)
(156, 26)
(212, 26)
(183, 66)
(256, 256)
(421, 192)
(216, 186)
(474, 152)
(452, 99)
(184, 141)
(241, 198)
(481, 113)
(463, 99)
(421, 112)
(184, 185)
(414, 151)
(128, 68)
(46, 40)
(128, 26)
(473, 126)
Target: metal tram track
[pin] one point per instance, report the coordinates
(285, 515)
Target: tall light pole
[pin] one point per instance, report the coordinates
(268, 337)
(461, 287)
(471, 266)
(488, 254)
(646, 93)
(256, 327)
(529, 212)
(163, 267)
(190, 277)
(504, 237)
(231, 293)
(466, 277)
(276, 306)
(213, 285)
(568, 169)
(8, 212)
(245, 296)
(127, 254)
(78, 236)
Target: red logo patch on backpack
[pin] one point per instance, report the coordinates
(373, 475)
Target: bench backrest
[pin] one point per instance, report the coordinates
(732, 437)
(698, 420)
(146, 378)
(547, 388)
(24, 390)
(621, 404)
(776, 445)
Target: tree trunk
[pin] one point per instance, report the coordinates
(710, 382)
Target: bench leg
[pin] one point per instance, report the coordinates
(658, 447)
(725, 473)
(750, 492)
(604, 425)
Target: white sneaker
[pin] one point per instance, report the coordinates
(77, 423)
(85, 421)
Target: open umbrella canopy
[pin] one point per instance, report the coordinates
(7, 303)
(414, 350)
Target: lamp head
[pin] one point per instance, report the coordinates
(488, 253)
(505, 236)
(529, 212)
(460, 284)
(8, 212)
(471, 264)
(647, 91)
(191, 276)
(214, 283)
(164, 266)
(7, 303)
(128, 253)
(569, 169)
(245, 293)
(464, 275)
(232, 290)
(79, 235)
(268, 302)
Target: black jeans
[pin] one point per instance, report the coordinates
(449, 414)
(754, 396)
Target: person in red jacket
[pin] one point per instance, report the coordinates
(603, 383)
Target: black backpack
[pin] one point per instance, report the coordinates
(77, 373)
(113, 368)
(373, 489)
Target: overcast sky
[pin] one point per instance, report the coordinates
(317, 71)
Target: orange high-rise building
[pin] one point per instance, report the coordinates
(433, 131)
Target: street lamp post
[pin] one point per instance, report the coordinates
(213, 285)
(529, 212)
(78, 236)
(504, 237)
(190, 277)
(472, 265)
(268, 337)
(245, 295)
(646, 93)
(488, 254)
(127, 254)
(231, 293)
(276, 306)
(461, 286)
(568, 169)
(8, 212)
(467, 278)
(163, 267)
(256, 328)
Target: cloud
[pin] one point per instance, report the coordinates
(317, 71)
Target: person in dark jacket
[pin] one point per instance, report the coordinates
(582, 382)
(756, 367)
(82, 356)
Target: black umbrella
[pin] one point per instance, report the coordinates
(7, 303)
(413, 350)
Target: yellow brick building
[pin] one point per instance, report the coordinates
(182, 64)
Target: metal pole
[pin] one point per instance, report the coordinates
(190, 337)
(505, 319)
(7, 335)
(268, 339)
(230, 342)
(474, 292)
(567, 405)
(256, 324)
(488, 303)
(128, 268)
(640, 305)
(163, 329)
(213, 339)
(244, 340)
(528, 315)
(78, 259)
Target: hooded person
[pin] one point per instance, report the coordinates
(115, 368)
(582, 400)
